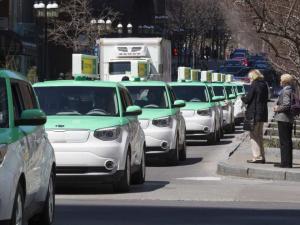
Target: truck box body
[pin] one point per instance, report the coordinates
(145, 57)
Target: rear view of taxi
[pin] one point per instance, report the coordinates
(95, 133)
(161, 120)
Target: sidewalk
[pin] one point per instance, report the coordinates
(236, 165)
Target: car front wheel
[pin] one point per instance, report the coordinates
(18, 209)
(123, 185)
(46, 217)
(139, 176)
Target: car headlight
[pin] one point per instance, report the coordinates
(108, 134)
(163, 122)
(3, 150)
(206, 112)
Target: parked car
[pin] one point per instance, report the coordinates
(243, 51)
(232, 62)
(200, 113)
(95, 133)
(239, 106)
(231, 70)
(27, 161)
(161, 119)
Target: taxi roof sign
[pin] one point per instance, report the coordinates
(184, 73)
(228, 78)
(216, 77)
(223, 77)
(206, 76)
(195, 74)
(85, 66)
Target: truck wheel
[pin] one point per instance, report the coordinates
(139, 176)
(18, 209)
(123, 185)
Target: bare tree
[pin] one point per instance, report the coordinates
(73, 29)
(200, 28)
(277, 24)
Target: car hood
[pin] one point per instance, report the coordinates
(83, 122)
(150, 114)
(197, 105)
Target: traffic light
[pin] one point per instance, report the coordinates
(175, 51)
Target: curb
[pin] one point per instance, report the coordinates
(227, 169)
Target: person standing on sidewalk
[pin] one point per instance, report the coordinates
(285, 119)
(257, 110)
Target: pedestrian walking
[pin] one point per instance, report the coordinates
(256, 112)
(285, 119)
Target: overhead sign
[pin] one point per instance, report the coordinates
(85, 65)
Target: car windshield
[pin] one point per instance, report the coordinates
(239, 55)
(74, 101)
(240, 89)
(149, 96)
(117, 68)
(190, 93)
(218, 90)
(232, 63)
(229, 90)
(3, 105)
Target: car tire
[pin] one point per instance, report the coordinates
(46, 217)
(182, 153)
(174, 154)
(140, 175)
(213, 137)
(123, 185)
(18, 208)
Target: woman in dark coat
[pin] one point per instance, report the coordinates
(285, 119)
(257, 109)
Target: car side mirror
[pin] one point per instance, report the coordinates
(179, 104)
(232, 96)
(32, 117)
(133, 111)
(218, 98)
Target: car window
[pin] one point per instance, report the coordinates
(149, 96)
(229, 90)
(172, 95)
(218, 90)
(124, 99)
(18, 103)
(77, 100)
(240, 89)
(191, 93)
(27, 96)
(3, 105)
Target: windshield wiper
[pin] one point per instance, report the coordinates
(71, 113)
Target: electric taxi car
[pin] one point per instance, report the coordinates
(95, 133)
(200, 113)
(27, 161)
(226, 103)
(161, 119)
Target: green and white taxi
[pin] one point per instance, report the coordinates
(27, 161)
(200, 113)
(95, 132)
(161, 119)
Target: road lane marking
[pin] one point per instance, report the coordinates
(201, 178)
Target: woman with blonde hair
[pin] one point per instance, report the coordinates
(257, 112)
(285, 120)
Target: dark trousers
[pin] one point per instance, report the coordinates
(285, 130)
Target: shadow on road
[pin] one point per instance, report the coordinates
(204, 143)
(148, 186)
(77, 214)
(162, 163)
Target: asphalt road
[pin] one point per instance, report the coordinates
(187, 194)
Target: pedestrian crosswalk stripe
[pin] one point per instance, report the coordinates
(200, 178)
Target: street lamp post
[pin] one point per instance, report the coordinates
(44, 10)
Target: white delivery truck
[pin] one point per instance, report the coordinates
(148, 58)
